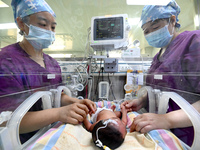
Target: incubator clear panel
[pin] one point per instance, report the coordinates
(73, 64)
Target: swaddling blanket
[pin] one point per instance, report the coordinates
(75, 137)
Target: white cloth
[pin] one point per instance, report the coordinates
(94, 116)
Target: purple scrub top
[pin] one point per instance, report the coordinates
(20, 74)
(178, 70)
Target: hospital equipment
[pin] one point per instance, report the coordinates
(103, 90)
(75, 86)
(133, 84)
(110, 65)
(132, 52)
(109, 32)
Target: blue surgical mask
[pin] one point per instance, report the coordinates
(40, 38)
(159, 38)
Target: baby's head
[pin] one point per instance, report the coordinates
(110, 133)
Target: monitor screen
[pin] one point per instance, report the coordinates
(108, 28)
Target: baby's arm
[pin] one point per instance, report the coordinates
(124, 115)
(117, 113)
(87, 124)
(121, 114)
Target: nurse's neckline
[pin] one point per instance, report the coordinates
(23, 46)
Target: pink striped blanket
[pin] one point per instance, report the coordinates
(68, 136)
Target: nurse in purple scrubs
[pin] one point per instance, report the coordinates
(24, 69)
(177, 65)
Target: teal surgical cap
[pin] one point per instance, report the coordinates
(22, 8)
(153, 12)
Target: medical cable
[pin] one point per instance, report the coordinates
(98, 78)
(81, 77)
(98, 142)
(111, 87)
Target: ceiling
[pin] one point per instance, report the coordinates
(74, 19)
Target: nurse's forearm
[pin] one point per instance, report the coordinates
(66, 100)
(197, 106)
(36, 120)
(179, 118)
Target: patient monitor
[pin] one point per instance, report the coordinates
(109, 32)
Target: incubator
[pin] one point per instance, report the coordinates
(9, 135)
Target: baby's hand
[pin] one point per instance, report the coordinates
(90, 104)
(113, 107)
(124, 114)
(123, 109)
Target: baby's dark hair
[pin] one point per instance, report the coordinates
(110, 136)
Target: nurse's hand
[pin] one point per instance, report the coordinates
(73, 113)
(133, 105)
(90, 104)
(148, 121)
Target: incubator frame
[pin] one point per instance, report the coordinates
(9, 135)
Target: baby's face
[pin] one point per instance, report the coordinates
(105, 114)
(122, 127)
